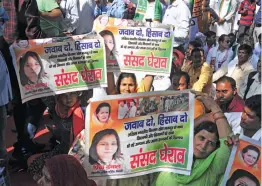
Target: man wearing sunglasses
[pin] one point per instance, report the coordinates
(220, 54)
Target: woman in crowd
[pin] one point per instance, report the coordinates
(102, 113)
(64, 170)
(31, 69)
(105, 148)
(210, 153)
(250, 155)
(127, 83)
(68, 117)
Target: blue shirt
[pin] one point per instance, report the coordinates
(257, 19)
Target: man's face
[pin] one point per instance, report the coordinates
(224, 92)
(189, 50)
(196, 59)
(249, 120)
(232, 40)
(242, 56)
(225, 44)
(211, 40)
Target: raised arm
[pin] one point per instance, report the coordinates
(219, 118)
(148, 81)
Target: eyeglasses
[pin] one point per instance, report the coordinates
(228, 41)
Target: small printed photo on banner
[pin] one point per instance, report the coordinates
(110, 45)
(102, 114)
(22, 43)
(127, 108)
(250, 155)
(103, 20)
(242, 177)
(105, 150)
(148, 105)
(32, 72)
(174, 103)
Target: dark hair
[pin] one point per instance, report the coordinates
(251, 147)
(107, 32)
(209, 127)
(23, 59)
(222, 37)
(133, 101)
(197, 50)
(176, 77)
(247, 48)
(104, 104)
(195, 44)
(231, 35)
(254, 104)
(224, 79)
(241, 173)
(121, 77)
(93, 156)
(209, 34)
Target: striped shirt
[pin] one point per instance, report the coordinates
(247, 18)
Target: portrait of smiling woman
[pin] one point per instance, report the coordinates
(250, 155)
(31, 69)
(105, 148)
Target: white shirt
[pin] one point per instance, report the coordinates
(178, 15)
(86, 16)
(161, 83)
(70, 13)
(122, 111)
(238, 73)
(150, 12)
(257, 49)
(254, 89)
(132, 112)
(5, 83)
(227, 12)
(257, 135)
(234, 119)
(220, 57)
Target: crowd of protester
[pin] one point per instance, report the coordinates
(222, 66)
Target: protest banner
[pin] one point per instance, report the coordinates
(244, 165)
(135, 49)
(137, 134)
(48, 68)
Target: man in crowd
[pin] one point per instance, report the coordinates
(257, 23)
(225, 10)
(210, 41)
(5, 97)
(70, 12)
(238, 68)
(178, 15)
(227, 97)
(247, 10)
(200, 72)
(50, 15)
(220, 54)
(251, 118)
(253, 83)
